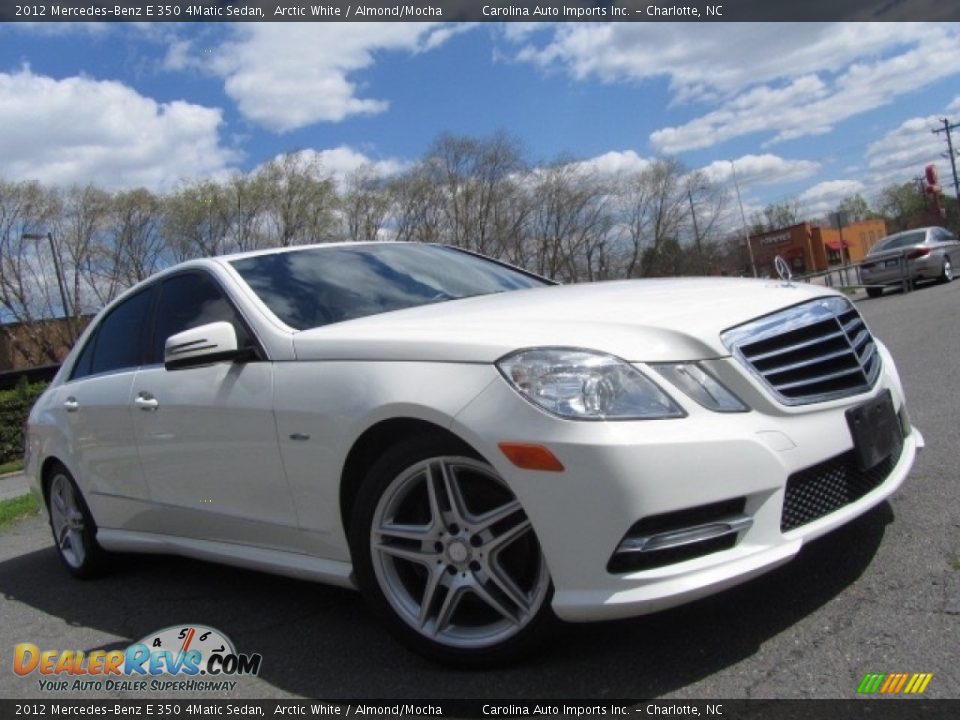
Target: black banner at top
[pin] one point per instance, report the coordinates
(477, 10)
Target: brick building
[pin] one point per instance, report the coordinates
(810, 248)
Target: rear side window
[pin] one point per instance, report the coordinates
(81, 368)
(119, 341)
(187, 301)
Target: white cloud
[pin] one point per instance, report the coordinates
(902, 153)
(812, 104)
(285, 76)
(717, 60)
(764, 169)
(340, 161)
(81, 130)
(824, 197)
(614, 163)
(788, 81)
(955, 105)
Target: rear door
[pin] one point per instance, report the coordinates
(207, 435)
(95, 407)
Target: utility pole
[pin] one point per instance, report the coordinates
(696, 231)
(743, 217)
(947, 127)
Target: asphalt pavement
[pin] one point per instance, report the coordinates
(879, 595)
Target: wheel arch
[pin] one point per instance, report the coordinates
(46, 473)
(365, 451)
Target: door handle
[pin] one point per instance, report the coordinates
(71, 404)
(146, 401)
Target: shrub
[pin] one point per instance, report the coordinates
(15, 405)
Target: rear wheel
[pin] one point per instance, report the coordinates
(874, 292)
(946, 272)
(74, 532)
(445, 554)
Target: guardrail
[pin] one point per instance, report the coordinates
(840, 276)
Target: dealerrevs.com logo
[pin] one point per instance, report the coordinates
(177, 658)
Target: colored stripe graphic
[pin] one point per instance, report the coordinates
(870, 683)
(894, 683)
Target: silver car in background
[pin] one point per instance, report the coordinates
(927, 253)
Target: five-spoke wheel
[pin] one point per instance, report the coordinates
(74, 533)
(445, 548)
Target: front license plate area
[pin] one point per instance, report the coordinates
(891, 263)
(875, 430)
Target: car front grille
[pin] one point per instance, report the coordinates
(821, 489)
(817, 351)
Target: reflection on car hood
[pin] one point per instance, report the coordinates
(637, 320)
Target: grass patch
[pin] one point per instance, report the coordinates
(955, 562)
(16, 508)
(12, 466)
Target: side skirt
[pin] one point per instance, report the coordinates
(303, 567)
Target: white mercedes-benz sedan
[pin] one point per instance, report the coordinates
(476, 449)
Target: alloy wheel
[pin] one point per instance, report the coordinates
(67, 520)
(455, 555)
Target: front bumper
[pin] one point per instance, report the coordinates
(619, 472)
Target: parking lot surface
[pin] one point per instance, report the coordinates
(879, 595)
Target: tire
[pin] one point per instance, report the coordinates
(445, 555)
(74, 531)
(946, 272)
(874, 292)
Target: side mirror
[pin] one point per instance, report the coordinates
(203, 345)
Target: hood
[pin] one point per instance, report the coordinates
(637, 320)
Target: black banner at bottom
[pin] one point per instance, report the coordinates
(872, 708)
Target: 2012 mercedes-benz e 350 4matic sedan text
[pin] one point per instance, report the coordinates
(476, 449)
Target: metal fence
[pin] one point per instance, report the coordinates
(849, 276)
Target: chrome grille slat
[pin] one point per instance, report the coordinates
(818, 379)
(797, 346)
(805, 363)
(813, 352)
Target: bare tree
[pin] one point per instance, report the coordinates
(365, 204)
(197, 220)
(570, 222)
(301, 200)
(28, 290)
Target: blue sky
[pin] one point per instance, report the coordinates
(807, 111)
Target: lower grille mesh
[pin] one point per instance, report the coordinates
(821, 489)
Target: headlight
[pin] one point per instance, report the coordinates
(586, 385)
(701, 386)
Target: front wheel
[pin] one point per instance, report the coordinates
(446, 555)
(74, 532)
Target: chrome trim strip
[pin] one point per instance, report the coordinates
(685, 536)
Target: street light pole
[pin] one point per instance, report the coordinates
(61, 283)
(743, 217)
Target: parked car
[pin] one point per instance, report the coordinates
(915, 255)
(477, 449)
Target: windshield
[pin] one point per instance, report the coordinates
(311, 287)
(895, 242)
